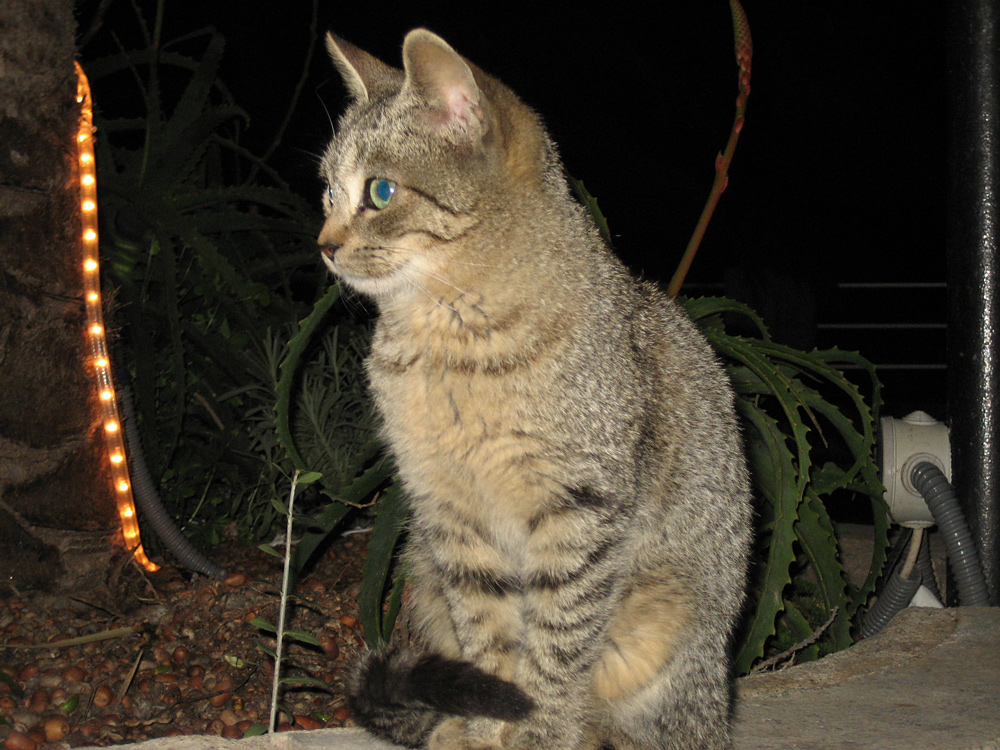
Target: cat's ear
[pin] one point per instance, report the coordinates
(365, 76)
(439, 75)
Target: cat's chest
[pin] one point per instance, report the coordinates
(464, 438)
(449, 416)
(449, 378)
(462, 392)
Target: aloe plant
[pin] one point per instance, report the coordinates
(793, 404)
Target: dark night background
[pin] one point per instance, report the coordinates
(838, 177)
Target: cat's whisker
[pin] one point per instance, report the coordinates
(472, 263)
(451, 261)
(408, 272)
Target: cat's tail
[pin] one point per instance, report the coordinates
(402, 694)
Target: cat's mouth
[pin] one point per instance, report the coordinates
(364, 276)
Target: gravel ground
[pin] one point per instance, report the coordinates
(198, 667)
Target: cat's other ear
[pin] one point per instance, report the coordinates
(439, 75)
(365, 76)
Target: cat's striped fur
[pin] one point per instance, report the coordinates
(580, 513)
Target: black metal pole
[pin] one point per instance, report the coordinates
(973, 282)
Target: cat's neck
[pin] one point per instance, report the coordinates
(490, 308)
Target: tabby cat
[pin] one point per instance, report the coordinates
(579, 504)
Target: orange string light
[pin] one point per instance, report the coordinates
(95, 326)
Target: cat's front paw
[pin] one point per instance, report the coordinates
(462, 734)
(491, 734)
(453, 734)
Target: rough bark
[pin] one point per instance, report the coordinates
(57, 514)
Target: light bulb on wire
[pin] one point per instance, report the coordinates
(95, 326)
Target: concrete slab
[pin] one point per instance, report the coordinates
(319, 739)
(930, 680)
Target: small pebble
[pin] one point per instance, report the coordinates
(19, 741)
(55, 728)
(329, 645)
(49, 679)
(103, 696)
(307, 722)
(75, 673)
(24, 718)
(219, 699)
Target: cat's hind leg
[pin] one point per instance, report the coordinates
(662, 682)
(687, 705)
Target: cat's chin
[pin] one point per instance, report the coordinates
(379, 289)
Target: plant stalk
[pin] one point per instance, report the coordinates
(744, 55)
(285, 576)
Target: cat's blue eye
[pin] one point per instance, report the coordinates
(380, 192)
(329, 193)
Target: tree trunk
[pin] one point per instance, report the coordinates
(58, 521)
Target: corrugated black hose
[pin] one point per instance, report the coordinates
(928, 480)
(148, 499)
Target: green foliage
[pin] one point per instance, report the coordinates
(280, 631)
(366, 477)
(795, 406)
(590, 203)
(212, 258)
(389, 519)
(326, 414)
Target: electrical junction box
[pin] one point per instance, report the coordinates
(907, 442)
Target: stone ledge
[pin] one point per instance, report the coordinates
(930, 680)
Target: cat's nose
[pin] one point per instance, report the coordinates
(330, 250)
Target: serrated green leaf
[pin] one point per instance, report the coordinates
(590, 203)
(389, 516)
(357, 492)
(270, 550)
(259, 622)
(309, 477)
(700, 308)
(771, 465)
(288, 367)
(816, 538)
(302, 636)
(255, 730)
(785, 391)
